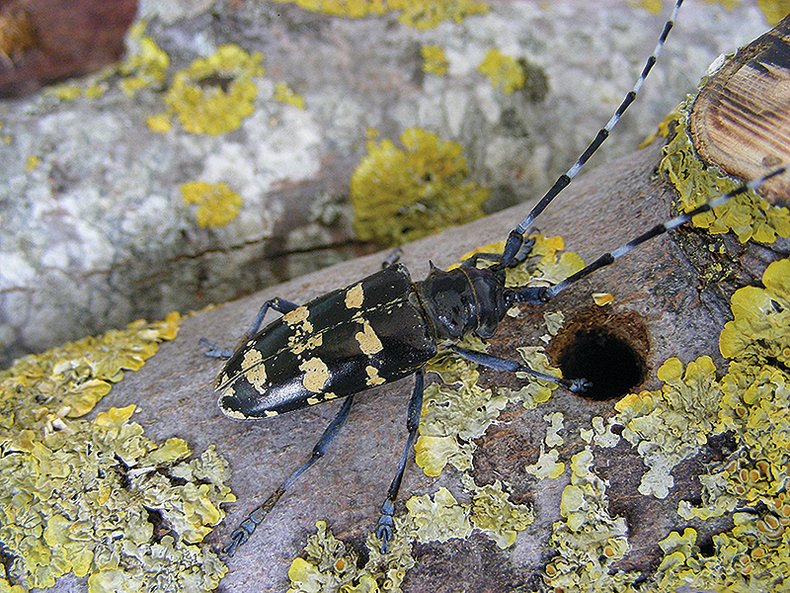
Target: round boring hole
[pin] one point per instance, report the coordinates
(610, 363)
(608, 349)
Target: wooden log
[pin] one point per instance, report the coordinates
(662, 308)
(658, 310)
(741, 119)
(42, 41)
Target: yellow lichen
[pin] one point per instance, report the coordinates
(413, 13)
(146, 63)
(602, 298)
(97, 498)
(753, 406)
(504, 72)
(217, 203)
(747, 215)
(651, 6)
(600, 434)
(284, 94)
(214, 95)
(159, 123)
(330, 566)
(401, 195)
(65, 92)
(32, 162)
(455, 411)
(494, 512)
(145, 66)
(434, 60)
(439, 517)
(547, 465)
(671, 424)
(759, 329)
(774, 10)
(745, 559)
(588, 540)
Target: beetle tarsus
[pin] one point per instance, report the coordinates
(385, 527)
(580, 386)
(214, 351)
(238, 537)
(392, 258)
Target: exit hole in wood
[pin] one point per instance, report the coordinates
(608, 349)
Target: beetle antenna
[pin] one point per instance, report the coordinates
(516, 236)
(536, 295)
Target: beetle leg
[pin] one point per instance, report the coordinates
(247, 527)
(278, 304)
(386, 523)
(521, 256)
(214, 351)
(393, 257)
(503, 364)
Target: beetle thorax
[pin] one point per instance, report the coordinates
(463, 300)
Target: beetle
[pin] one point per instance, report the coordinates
(386, 327)
(378, 330)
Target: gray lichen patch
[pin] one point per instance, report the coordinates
(95, 232)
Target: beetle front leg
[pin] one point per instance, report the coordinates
(386, 523)
(503, 364)
(524, 251)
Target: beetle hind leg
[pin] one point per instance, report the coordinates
(386, 522)
(278, 304)
(247, 527)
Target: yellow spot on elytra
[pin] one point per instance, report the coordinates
(296, 345)
(251, 358)
(316, 374)
(254, 369)
(373, 376)
(298, 317)
(271, 413)
(313, 400)
(330, 395)
(235, 414)
(222, 378)
(354, 297)
(367, 339)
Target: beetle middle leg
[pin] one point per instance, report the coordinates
(247, 527)
(386, 523)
